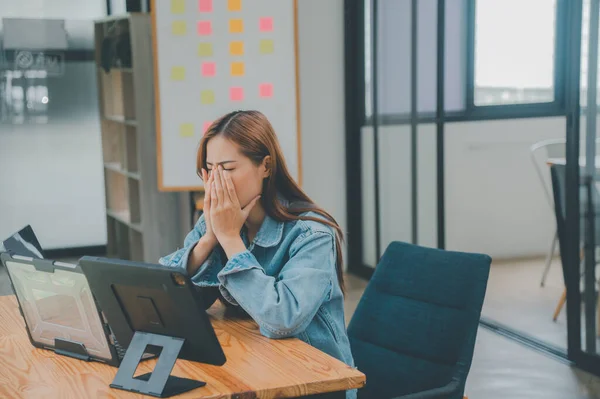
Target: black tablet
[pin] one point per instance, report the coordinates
(155, 299)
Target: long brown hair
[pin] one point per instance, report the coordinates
(254, 134)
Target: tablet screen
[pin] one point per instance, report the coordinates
(58, 305)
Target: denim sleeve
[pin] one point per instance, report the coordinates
(284, 305)
(206, 274)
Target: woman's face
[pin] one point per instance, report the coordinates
(246, 176)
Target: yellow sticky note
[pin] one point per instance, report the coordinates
(236, 25)
(177, 6)
(236, 48)
(177, 73)
(237, 69)
(266, 46)
(207, 97)
(205, 50)
(186, 130)
(178, 28)
(234, 5)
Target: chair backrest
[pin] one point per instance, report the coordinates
(415, 326)
(552, 148)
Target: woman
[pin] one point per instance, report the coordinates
(263, 242)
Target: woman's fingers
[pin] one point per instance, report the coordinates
(222, 187)
(207, 190)
(218, 187)
(230, 188)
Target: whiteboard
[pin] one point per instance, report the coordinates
(212, 57)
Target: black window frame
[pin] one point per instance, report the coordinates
(556, 107)
(474, 112)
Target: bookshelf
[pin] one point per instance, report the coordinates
(143, 224)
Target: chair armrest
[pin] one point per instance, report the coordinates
(437, 393)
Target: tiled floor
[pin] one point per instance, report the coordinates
(515, 298)
(501, 368)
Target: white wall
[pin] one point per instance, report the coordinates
(494, 200)
(51, 174)
(321, 41)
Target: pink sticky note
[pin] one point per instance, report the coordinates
(209, 69)
(204, 28)
(205, 5)
(266, 90)
(266, 24)
(236, 93)
(205, 127)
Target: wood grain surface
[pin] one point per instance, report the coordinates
(257, 367)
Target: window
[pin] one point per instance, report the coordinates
(394, 41)
(585, 34)
(514, 52)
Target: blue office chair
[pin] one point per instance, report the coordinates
(414, 329)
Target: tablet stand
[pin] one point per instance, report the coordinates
(72, 349)
(158, 383)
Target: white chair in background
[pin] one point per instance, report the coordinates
(552, 148)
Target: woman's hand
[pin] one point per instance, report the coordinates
(208, 183)
(226, 214)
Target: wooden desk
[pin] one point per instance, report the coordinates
(256, 366)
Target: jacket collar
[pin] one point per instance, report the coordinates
(271, 230)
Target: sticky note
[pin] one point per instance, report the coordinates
(207, 97)
(177, 6)
(236, 48)
(205, 5)
(266, 90)
(205, 127)
(266, 46)
(236, 25)
(177, 73)
(186, 130)
(236, 93)
(209, 69)
(205, 49)
(178, 27)
(266, 24)
(237, 69)
(204, 28)
(234, 5)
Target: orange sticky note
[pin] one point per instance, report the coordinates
(266, 24)
(234, 5)
(266, 90)
(177, 6)
(266, 46)
(204, 28)
(236, 48)
(236, 93)
(205, 50)
(236, 25)
(186, 130)
(177, 73)
(237, 69)
(178, 28)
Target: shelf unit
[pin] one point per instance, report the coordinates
(142, 223)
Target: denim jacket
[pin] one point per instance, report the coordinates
(286, 281)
